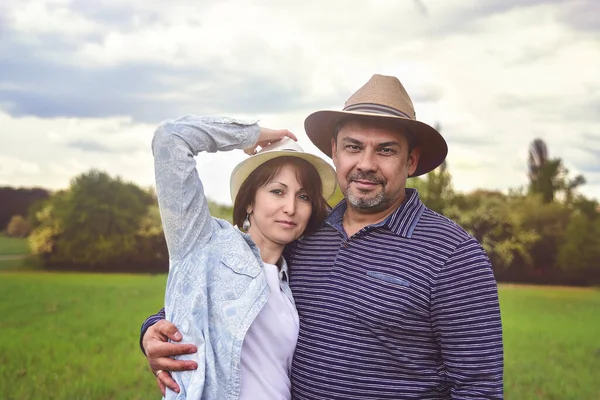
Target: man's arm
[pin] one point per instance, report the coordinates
(154, 342)
(466, 319)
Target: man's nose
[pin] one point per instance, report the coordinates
(366, 162)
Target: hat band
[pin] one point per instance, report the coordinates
(375, 109)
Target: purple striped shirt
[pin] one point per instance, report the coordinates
(405, 309)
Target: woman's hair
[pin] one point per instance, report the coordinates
(307, 176)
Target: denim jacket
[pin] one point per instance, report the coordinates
(216, 285)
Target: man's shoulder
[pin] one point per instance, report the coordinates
(433, 223)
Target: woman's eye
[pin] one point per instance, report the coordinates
(277, 191)
(304, 197)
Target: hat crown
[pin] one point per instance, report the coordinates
(382, 94)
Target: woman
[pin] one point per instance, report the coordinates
(227, 290)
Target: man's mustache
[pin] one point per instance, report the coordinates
(372, 178)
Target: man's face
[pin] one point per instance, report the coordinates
(372, 164)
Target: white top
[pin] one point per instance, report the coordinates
(269, 346)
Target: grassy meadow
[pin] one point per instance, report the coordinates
(75, 336)
(13, 246)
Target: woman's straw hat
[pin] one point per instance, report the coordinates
(284, 147)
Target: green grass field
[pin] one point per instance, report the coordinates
(75, 336)
(12, 246)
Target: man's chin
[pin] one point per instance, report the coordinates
(364, 202)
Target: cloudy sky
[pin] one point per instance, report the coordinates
(84, 83)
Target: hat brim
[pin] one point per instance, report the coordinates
(244, 169)
(320, 127)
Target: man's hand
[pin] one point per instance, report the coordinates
(159, 352)
(268, 136)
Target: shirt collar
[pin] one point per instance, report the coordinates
(283, 271)
(402, 221)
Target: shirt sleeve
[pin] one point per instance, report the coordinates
(466, 321)
(151, 320)
(183, 206)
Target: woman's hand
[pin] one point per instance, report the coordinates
(268, 136)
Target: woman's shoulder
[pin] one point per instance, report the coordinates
(226, 235)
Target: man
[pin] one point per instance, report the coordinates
(395, 300)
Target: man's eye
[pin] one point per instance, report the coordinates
(387, 150)
(352, 147)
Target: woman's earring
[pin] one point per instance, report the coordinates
(246, 223)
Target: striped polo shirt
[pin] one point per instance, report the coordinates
(404, 309)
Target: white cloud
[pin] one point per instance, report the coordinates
(48, 17)
(12, 168)
(495, 74)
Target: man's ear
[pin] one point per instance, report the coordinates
(413, 160)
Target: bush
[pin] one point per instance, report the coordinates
(18, 227)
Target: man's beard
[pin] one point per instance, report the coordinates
(369, 205)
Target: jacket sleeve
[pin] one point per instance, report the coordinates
(183, 206)
(466, 321)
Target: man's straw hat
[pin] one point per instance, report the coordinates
(381, 98)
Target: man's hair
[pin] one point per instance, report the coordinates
(306, 174)
(380, 123)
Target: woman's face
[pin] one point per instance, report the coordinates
(281, 209)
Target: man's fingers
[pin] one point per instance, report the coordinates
(169, 364)
(164, 349)
(165, 380)
(168, 329)
(161, 386)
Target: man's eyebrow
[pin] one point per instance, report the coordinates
(351, 140)
(388, 144)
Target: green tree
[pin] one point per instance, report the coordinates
(18, 227)
(549, 221)
(435, 188)
(101, 218)
(221, 211)
(97, 223)
(47, 226)
(548, 176)
(495, 220)
(150, 251)
(579, 252)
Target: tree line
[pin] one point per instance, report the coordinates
(545, 232)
